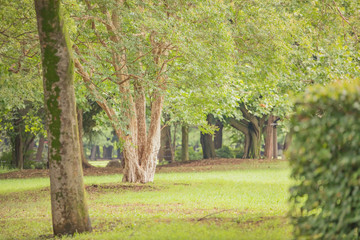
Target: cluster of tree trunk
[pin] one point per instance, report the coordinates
(253, 128)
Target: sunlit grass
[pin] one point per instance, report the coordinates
(99, 163)
(247, 203)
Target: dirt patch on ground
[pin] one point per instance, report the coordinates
(189, 166)
(114, 187)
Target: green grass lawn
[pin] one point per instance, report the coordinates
(246, 203)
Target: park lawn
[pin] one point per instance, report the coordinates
(245, 203)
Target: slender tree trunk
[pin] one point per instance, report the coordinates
(287, 142)
(18, 153)
(40, 148)
(218, 137)
(275, 143)
(68, 204)
(84, 161)
(184, 143)
(173, 146)
(207, 142)
(93, 152)
(269, 138)
(166, 152)
(97, 152)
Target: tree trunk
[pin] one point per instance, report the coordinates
(207, 142)
(255, 141)
(93, 152)
(107, 152)
(218, 137)
(166, 152)
(68, 204)
(141, 168)
(18, 153)
(275, 143)
(40, 148)
(184, 143)
(269, 138)
(84, 162)
(287, 142)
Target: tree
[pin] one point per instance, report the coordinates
(68, 204)
(137, 50)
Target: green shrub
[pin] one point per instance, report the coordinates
(224, 152)
(325, 161)
(5, 159)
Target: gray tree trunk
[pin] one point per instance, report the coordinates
(40, 148)
(184, 143)
(68, 204)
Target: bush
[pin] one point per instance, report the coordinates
(325, 161)
(5, 159)
(224, 152)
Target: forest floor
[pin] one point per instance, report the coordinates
(196, 165)
(206, 199)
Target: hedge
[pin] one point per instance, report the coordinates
(325, 161)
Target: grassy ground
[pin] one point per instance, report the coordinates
(245, 203)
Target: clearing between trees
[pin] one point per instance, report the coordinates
(208, 199)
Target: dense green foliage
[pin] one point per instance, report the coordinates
(325, 161)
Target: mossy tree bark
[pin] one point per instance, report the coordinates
(68, 204)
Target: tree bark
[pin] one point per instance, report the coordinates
(218, 137)
(269, 138)
(207, 142)
(251, 126)
(108, 152)
(84, 161)
(184, 143)
(40, 148)
(275, 142)
(166, 152)
(68, 204)
(287, 142)
(93, 152)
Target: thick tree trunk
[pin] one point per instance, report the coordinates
(251, 126)
(40, 148)
(255, 141)
(68, 204)
(218, 137)
(84, 162)
(184, 143)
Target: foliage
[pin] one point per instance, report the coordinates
(325, 162)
